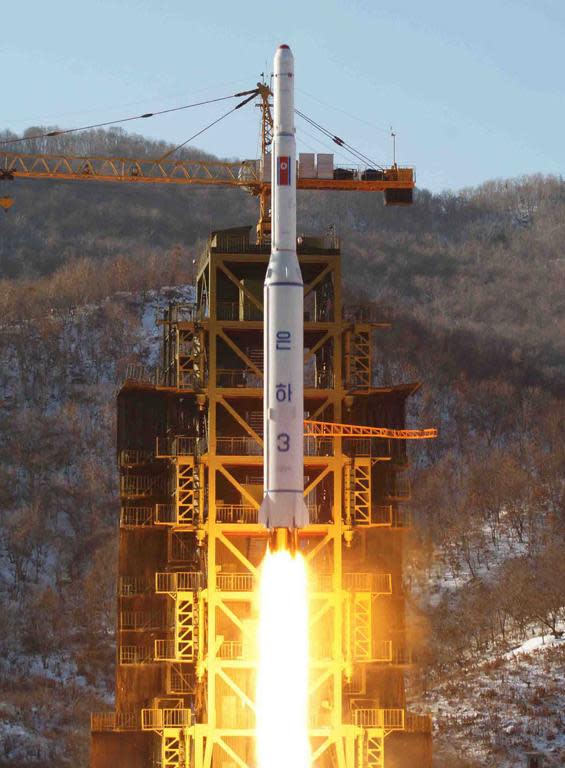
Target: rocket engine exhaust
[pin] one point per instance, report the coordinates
(283, 504)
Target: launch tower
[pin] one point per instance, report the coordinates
(190, 454)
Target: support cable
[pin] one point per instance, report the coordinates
(50, 134)
(339, 141)
(201, 131)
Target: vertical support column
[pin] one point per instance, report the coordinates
(211, 607)
(212, 365)
(337, 650)
(172, 752)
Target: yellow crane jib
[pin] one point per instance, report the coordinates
(332, 429)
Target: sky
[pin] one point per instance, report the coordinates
(473, 90)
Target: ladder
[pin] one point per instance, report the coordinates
(358, 490)
(186, 629)
(358, 359)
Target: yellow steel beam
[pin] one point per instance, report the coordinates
(244, 698)
(143, 171)
(242, 423)
(332, 429)
(321, 408)
(318, 279)
(237, 553)
(238, 486)
(246, 292)
(320, 343)
(318, 479)
(248, 362)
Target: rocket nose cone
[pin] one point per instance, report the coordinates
(284, 60)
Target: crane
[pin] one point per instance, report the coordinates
(397, 183)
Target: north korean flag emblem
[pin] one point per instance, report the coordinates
(283, 171)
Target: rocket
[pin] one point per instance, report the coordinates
(283, 504)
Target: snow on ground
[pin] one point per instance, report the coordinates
(536, 643)
(152, 307)
(497, 710)
(38, 692)
(448, 572)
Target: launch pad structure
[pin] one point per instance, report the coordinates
(190, 454)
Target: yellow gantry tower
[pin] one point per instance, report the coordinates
(190, 456)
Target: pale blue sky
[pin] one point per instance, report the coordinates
(474, 90)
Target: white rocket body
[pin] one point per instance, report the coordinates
(283, 501)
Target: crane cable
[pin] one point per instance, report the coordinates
(339, 141)
(50, 134)
(201, 131)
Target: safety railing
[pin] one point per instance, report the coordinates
(236, 513)
(401, 655)
(358, 313)
(387, 719)
(169, 447)
(319, 379)
(181, 313)
(157, 719)
(235, 582)
(227, 310)
(376, 583)
(180, 679)
(141, 485)
(377, 448)
(319, 314)
(248, 446)
(166, 514)
(132, 586)
(180, 581)
(381, 514)
(238, 446)
(165, 650)
(401, 518)
(140, 620)
(134, 457)
(188, 380)
(231, 649)
(237, 243)
(180, 547)
(234, 310)
(316, 446)
(133, 517)
(115, 721)
(245, 513)
(397, 486)
(418, 723)
(322, 649)
(238, 377)
(389, 516)
(356, 446)
(382, 651)
(321, 581)
(139, 374)
(319, 513)
(134, 654)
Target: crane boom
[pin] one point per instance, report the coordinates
(396, 183)
(332, 429)
(140, 170)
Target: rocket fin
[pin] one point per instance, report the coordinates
(283, 510)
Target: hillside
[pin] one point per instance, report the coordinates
(474, 286)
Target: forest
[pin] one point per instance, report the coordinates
(473, 284)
